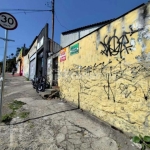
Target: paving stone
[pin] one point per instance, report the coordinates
(60, 137)
(75, 141)
(85, 146)
(63, 130)
(104, 143)
(70, 146)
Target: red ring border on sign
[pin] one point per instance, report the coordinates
(13, 18)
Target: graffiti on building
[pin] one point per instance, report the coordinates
(119, 44)
(108, 77)
(108, 90)
(127, 89)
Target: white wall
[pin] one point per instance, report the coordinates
(69, 38)
(26, 66)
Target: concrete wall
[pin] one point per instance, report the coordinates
(26, 66)
(56, 49)
(18, 67)
(19, 61)
(110, 75)
(33, 48)
(26, 59)
(66, 39)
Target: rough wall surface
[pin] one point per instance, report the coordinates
(110, 75)
(33, 49)
(26, 66)
(26, 59)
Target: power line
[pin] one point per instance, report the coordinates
(24, 10)
(60, 22)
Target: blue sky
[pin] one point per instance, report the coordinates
(70, 14)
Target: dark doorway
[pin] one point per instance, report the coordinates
(39, 64)
(55, 72)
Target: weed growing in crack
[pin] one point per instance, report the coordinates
(143, 141)
(24, 114)
(15, 105)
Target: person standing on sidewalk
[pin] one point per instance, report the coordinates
(13, 71)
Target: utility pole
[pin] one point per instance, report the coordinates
(3, 72)
(53, 11)
(52, 41)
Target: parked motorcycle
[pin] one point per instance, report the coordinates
(42, 84)
(34, 82)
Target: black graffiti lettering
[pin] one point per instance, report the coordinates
(109, 75)
(108, 89)
(119, 45)
(127, 89)
(133, 31)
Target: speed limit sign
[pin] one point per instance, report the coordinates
(7, 21)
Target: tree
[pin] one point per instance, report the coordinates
(24, 50)
(18, 51)
(12, 55)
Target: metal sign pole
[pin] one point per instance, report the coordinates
(3, 73)
(8, 22)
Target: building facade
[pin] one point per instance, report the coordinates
(29, 66)
(40, 59)
(109, 77)
(52, 63)
(71, 36)
(42, 52)
(19, 60)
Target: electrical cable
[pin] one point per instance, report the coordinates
(60, 22)
(24, 10)
(18, 11)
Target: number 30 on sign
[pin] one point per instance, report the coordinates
(7, 21)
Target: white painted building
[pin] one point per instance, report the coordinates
(71, 36)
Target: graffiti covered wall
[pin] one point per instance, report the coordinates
(108, 72)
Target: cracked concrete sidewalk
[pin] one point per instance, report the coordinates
(54, 124)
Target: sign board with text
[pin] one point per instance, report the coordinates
(74, 49)
(63, 55)
(7, 21)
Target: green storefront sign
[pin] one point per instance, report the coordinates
(74, 49)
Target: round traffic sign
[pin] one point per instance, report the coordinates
(7, 21)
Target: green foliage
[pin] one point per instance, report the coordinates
(27, 79)
(136, 139)
(18, 51)
(6, 118)
(24, 114)
(10, 63)
(31, 125)
(147, 139)
(144, 141)
(16, 105)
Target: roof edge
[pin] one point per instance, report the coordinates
(91, 25)
(106, 24)
(103, 22)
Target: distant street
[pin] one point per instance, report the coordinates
(53, 124)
